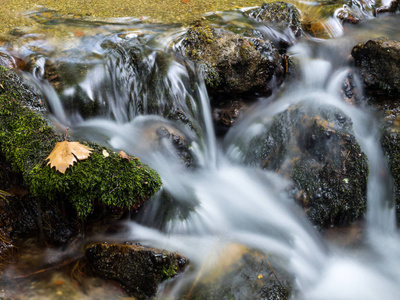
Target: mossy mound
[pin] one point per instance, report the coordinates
(112, 181)
(26, 139)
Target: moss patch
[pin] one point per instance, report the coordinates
(111, 180)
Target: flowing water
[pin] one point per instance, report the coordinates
(140, 85)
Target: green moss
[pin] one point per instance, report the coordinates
(26, 140)
(25, 137)
(170, 270)
(111, 181)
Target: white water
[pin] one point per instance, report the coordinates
(231, 202)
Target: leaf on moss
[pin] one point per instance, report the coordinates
(122, 154)
(66, 153)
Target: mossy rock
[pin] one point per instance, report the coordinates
(317, 150)
(231, 63)
(26, 139)
(138, 269)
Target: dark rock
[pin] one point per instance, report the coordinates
(347, 15)
(393, 7)
(232, 63)
(6, 243)
(391, 143)
(316, 149)
(225, 113)
(138, 269)
(241, 274)
(284, 16)
(379, 64)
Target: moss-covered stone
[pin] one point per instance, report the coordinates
(26, 140)
(138, 269)
(316, 149)
(111, 181)
(232, 63)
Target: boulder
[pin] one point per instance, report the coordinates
(231, 63)
(379, 65)
(316, 149)
(138, 269)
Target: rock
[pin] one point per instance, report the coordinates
(318, 152)
(138, 269)
(391, 143)
(379, 64)
(232, 63)
(26, 140)
(6, 243)
(225, 113)
(393, 7)
(240, 273)
(284, 17)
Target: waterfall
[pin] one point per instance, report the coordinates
(141, 89)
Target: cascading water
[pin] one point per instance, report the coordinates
(140, 87)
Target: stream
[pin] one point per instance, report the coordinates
(132, 79)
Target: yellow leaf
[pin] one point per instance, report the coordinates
(66, 153)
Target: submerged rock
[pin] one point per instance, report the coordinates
(240, 273)
(316, 149)
(138, 269)
(232, 63)
(379, 64)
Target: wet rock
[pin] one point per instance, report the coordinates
(283, 16)
(393, 7)
(347, 15)
(379, 64)
(391, 143)
(316, 149)
(50, 223)
(138, 269)
(6, 243)
(225, 113)
(241, 273)
(232, 63)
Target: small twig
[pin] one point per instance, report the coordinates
(274, 272)
(66, 133)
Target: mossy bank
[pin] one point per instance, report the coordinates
(26, 139)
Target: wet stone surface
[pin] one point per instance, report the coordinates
(138, 269)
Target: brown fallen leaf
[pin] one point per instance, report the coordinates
(66, 153)
(122, 154)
